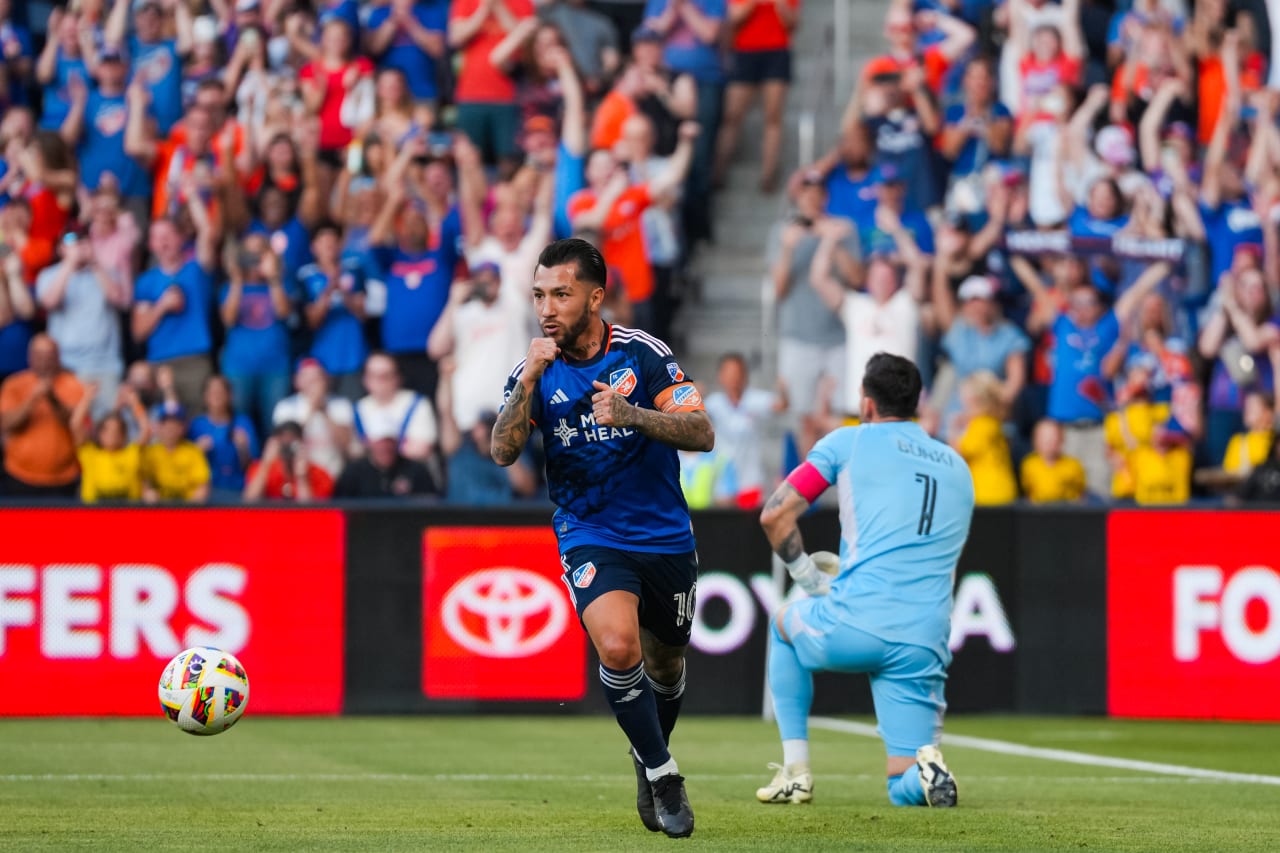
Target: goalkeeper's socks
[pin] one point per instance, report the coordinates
(632, 701)
(791, 687)
(668, 697)
(906, 790)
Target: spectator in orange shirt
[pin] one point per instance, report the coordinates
(37, 409)
(759, 64)
(485, 94)
(285, 472)
(616, 107)
(613, 208)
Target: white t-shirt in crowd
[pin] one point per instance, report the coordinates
(409, 415)
(739, 430)
(317, 428)
(488, 339)
(893, 327)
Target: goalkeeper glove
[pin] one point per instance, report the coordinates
(808, 576)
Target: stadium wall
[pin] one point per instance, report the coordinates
(400, 609)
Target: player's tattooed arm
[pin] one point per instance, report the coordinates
(690, 429)
(779, 517)
(681, 430)
(511, 430)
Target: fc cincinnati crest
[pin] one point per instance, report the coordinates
(677, 375)
(686, 395)
(623, 381)
(584, 575)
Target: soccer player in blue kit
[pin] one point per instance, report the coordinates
(905, 506)
(613, 407)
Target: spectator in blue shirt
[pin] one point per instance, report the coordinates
(977, 337)
(156, 60)
(1084, 332)
(60, 61)
(414, 248)
(410, 37)
(227, 437)
(15, 54)
(285, 233)
(333, 286)
(691, 33)
(17, 307)
(891, 211)
(254, 307)
(97, 121)
(173, 298)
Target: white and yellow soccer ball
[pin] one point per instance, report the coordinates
(204, 691)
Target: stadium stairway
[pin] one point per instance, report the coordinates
(728, 310)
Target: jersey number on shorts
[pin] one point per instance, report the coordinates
(926, 508)
(685, 603)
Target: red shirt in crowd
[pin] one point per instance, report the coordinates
(282, 487)
(479, 82)
(333, 134)
(763, 29)
(1041, 78)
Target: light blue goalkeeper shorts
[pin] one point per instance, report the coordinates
(907, 682)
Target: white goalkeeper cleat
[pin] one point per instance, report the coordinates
(938, 783)
(791, 784)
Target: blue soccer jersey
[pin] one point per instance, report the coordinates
(614, 486)
(905, 505)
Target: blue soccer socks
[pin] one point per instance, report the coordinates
(633, 703)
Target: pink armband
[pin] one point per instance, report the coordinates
(808, 481)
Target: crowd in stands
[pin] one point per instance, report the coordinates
(1067, 213)
(281, 249)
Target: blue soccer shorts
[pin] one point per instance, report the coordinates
(907, 681)
(666, 585)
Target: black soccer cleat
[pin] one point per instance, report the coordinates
(672, 805)
(644, 796)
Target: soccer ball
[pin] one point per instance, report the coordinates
(204, 691)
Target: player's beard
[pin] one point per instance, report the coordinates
(570, 338)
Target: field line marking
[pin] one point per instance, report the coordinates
(524, 777)
(1005, 747)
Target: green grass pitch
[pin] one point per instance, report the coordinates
(530, 784)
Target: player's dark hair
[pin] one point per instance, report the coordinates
(585, 257)
(893, 384)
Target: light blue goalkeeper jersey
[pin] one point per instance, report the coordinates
(905, 505)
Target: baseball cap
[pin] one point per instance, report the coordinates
(172, 411)
(486, 265)
(1115, 146)
(306, 362)
(139, 5)
(111, 53)
(640, 34)
(246, 5)
(1179, 130)
(881, 67)
(333, 17)
(977, 287)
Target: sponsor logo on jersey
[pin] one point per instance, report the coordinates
(623, 381)
(584, 575)
(686, 395)
(677, 375)
(565, 433)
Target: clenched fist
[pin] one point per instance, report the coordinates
(542, 351)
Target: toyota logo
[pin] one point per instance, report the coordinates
(504, 613)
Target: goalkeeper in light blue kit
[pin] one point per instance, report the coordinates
(905, 506)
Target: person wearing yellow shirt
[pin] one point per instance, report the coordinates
(1132, 426)
(110, 466)
(174, 469)
(1047, 475)
(1247, 450)
(979, 438)
(1162, 469)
